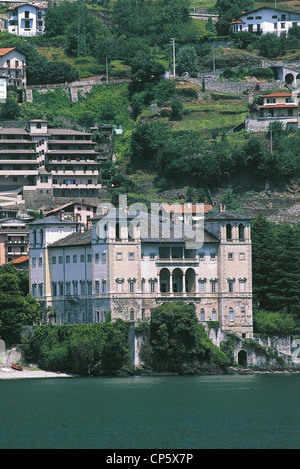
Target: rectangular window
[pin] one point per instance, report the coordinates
(131, 287)
(242, 285)
(119, 287)
(202, 286)
(201, 255)
(26, 13)
(212, 255)
(104, 257)
(119, 256)
(202, 314)
(152, 255)
(54, 289)
(97, 257)
(34, 289)
(231, 315)
(89, 288)
(75, 288)
(40, 289)
(231, 286)
(97, 286)
(242, 256)
(68, 259)
(40, 261)
(82, 288)
(33, 262)
(81, 257)
(131, 256)
(103, 286)
(89, 258)
(75, 259)
(213, 287)
(61, 289)
(53, 259)
(132, 315)
(230, 256)
(60, 259)
(152, 287)
(68, 288)
(213, 315)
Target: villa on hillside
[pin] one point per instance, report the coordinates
(266, 20)
(282, 107)
(26, 19)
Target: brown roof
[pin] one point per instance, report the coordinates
(19, 260)
(277, 95)
(6, 50)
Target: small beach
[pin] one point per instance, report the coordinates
(9, 373)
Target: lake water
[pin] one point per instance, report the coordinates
(177, 412)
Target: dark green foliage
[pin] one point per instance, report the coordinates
(17, 307)
(276, 266)
(10, 110)
(271, 45)
(186, 59)
(176, 338)
(274, 323)
(228, 10)
(81, 348)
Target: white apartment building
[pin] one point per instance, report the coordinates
(116, 266)
(266, 20)
(26, 19)
(43, 161)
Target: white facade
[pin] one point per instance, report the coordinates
(26, 19)
(85, 275)
(266, 20)
(13, 67)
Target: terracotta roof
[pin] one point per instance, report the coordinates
(277, 95)
(69, 204)
(6, 50)
(238, 22)
(19, 260)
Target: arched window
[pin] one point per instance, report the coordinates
(241, 232)
(228, 231)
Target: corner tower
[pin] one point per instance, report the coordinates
(234, 271)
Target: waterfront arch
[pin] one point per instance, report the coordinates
(242, 358)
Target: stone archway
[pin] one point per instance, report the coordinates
(164, 275)
(242, 358)
(289, 78)
(190, 280)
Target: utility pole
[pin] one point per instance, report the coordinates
(173, 44)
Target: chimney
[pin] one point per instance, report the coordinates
(222, 208)
(62, 215)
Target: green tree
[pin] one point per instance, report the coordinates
(186, 59)
(10, 109)
(228, 11)
(271, 45)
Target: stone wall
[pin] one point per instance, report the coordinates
(234, 87)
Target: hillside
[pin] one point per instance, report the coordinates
(192, 151)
